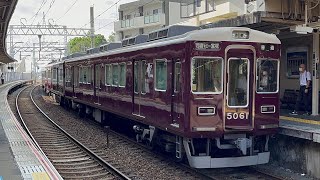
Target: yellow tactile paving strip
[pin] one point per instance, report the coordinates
(300, 120)
(40, 176)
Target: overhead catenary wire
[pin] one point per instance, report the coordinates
(50, 6)
(67, 10)
(102, 12)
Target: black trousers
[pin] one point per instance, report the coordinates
(304, 98)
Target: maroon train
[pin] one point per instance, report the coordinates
(210, 95)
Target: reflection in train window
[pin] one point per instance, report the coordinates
(238, 82)
(115, 75)
(143, 76)
(206, 75)
(161, 75)
(108, 75)
(267, 75)
(177, 76)
(122, 78)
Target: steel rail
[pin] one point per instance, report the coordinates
(102, 162)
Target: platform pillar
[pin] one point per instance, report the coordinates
(315, 73)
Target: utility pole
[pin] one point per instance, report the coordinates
(92, 26)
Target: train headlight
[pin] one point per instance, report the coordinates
(271, 47)
(240, 34)
(267, 47)
(206, 111)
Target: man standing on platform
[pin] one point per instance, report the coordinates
(304, 92)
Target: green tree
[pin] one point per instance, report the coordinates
(80, 44)
(111, 37)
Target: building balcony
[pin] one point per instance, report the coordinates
(140, 22)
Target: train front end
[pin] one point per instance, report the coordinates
(234, 99)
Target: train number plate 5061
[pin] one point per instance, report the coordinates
(237, 116)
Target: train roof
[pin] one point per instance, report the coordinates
(211, 34)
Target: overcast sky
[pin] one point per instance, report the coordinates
(55, 10)
(78, 15)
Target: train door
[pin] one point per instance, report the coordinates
(175, 92)
(239, 88)
(97, 83)
(139, 86)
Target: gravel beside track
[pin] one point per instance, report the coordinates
(70, 158)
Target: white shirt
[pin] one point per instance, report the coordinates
(304, 77)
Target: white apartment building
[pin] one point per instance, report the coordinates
(143, 16)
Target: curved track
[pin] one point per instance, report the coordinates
(71, 158)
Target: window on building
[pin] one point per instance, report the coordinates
(122, 78)
(108, 74)
(206, 75)
(115, 74)
(195, 7)
(161, 75)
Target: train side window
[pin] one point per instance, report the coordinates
(177, 76)
(161, 75)
(84, 74)
(54, 74)
(206, 75)
(115, 74)
(122, 78)
(108, 75)
(143, 76)
(80, 75)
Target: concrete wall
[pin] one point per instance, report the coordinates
(300, 155)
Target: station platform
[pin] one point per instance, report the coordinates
(19, 156)
(300, 126)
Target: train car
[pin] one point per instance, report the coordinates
(211, 95)
(46, 79)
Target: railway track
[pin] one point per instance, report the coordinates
(70, 157)
(140, 150)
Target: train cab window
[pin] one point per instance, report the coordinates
(122, 78)
(108, 75)
(267, 75)
(206, 75)
(177, 76)
(238, 86)
(161, 75)
(115, 75)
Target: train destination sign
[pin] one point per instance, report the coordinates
(207, 45)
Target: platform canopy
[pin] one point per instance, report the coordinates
(6, 10)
